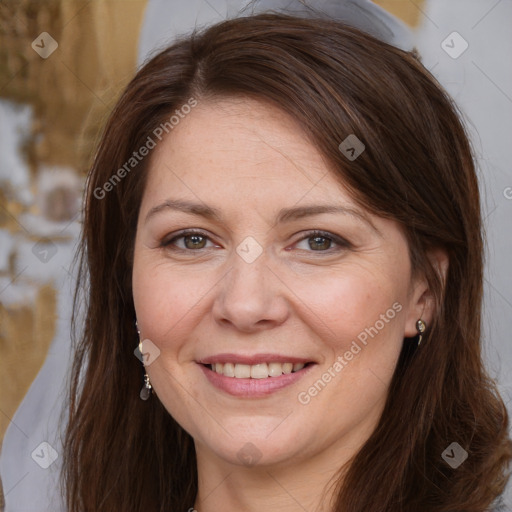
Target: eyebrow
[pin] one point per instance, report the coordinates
(298, 212)
(186, 206)
(284, 215)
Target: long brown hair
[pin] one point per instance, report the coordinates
(123, 454)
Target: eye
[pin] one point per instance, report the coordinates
(322, 241)
(188, 240)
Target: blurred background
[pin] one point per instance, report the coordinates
(63, 63)
(51, 110)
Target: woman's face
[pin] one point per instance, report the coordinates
(275, 307)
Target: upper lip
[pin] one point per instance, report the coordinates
(252, 359)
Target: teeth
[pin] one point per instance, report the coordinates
(255, 371)
(242, 371)
(228, 370)
(259, 371)
(275, 369)
(287, 367)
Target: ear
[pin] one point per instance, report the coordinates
(421, 299)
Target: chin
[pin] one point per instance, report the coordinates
(265, 443)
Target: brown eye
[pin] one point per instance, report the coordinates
(322, 242)
(188, 240)
(194, 241)
(319, 243)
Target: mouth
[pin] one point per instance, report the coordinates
(256, 371)
(255, 376)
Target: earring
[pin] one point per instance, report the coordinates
(146, 390)
(421, 327)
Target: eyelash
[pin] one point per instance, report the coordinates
(342, 243)
(339, 241)
(168, 243)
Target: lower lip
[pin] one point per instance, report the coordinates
(253, 388)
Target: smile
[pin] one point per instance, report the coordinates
(255, 371)
(253, 376)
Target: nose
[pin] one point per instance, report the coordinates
(251, 297)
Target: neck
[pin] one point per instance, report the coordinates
(307, 484)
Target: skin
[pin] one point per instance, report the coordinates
(250, 160)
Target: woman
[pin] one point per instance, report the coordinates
(283, 216)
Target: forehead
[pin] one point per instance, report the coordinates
(240, 147)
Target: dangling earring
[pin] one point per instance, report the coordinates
(421, 327)
(146, 390)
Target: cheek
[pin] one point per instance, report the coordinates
(358, 316)
(166, 300)
(343, 304)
